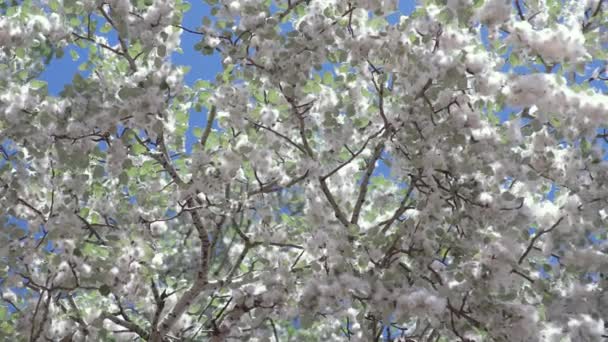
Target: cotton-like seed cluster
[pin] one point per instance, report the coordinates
(551, 95)
(556, 44)
(15, 33)
(494, 12)
(421, 301)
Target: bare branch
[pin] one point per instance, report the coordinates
(123, 44)
(332, 201)
(371, 166)
(105, 46)
(274, 186)
(129, 325)
(536, 237)
(353, 155)
(520, 11)
(291, 142)
(210, 118)
(402, 208)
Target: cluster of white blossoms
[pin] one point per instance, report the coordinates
(355, 178)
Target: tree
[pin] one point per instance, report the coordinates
(357, 178)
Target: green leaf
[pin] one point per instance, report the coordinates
(37, 84)
(184, 7)
(147, 168)
(23, 74)
(207, 50)
(105, 290)
(202, 84)
(203, 97)
(59, 53)
(478, 3)
(138, 149)
(74, 21)
(95, 218)
(20, 52)
(107, 27)
(312, 86)
(361, 122)
(161, 50)
(181, 117)
(74, 55)
(328, 78)
(342, 56)
(514, 59)
(445, 15)
(494, 120)
(98, 171)
(273, 96)
(127, 92)
(123, 178)
(84, 212)
(258, 95)
(377, 23)
(54, 5)
(585, 147)
(227, 72)
(306, 321)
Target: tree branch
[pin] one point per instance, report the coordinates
(402, 208)
(207, 132)
(536, 237)
(353, 155)
(332, 201)
(129, 325)
(371, 166)
(123, 44)
(291, 142)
